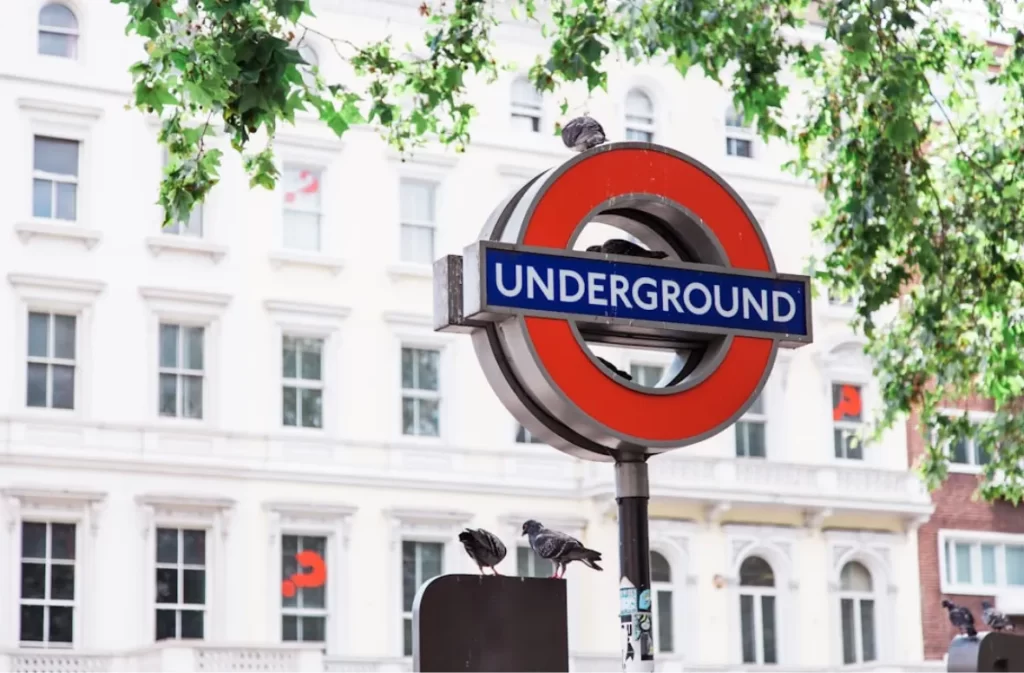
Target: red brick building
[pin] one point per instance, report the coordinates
(969, 551)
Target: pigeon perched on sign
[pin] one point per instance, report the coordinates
(620, 246)
(583, 133)
(484, 548)
(996, 620)
(559, 548)
(618, 372)
(961, 618)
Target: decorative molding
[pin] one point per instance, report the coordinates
(162, 294)
(566, 523)
(783, 364)
(716, 512)
(424, 157)
(411, 270)
(814, 519)
(75, 290)
(60, 109)
(414, 319)
(74, 233)
(321, 143)
(436, 524)
(306, 309)
(22, 500)
(189, 245)
(308, 260)
(171, 506)
(912, 524)
(676, 531)
(303, 512)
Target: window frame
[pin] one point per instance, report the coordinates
(322, 153)
(757, 592)
(857, 597)
(976, 539)
(299, 383)
(753, 418)
(56, 179)
(738, 132)
(51, 360)
(519, 109)
(670, 587)
(528, 438)
(854, 427)
(74, 33)
(972, 466)
(321, 168)
(180, 372)
(634, 124)
(636, 366)
(435, 187)
(422, 394)
(180, 566)
(185, 230)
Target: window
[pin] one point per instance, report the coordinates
(757, 612)
(180, 583)
(418, 221)
(51, 361)
(639, 117)
(302, 207)
(55, 178)
(58, 31)
(524, 436)
(646, 375)
(421, 397)
(47, 584)
(421, 561)
(968, 451)
(303, 609)
(857, 610)
(750, 431)
(661, 604)
(847, 419)
(191, 227)
(527, 106)
(181, 370)
(302, 385)
(528, 564)
(982, 565)
(739, 137)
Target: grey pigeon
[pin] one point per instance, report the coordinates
(615, 369)
(484, 548)
(619, 246)
(961, 618)
(995, 619)
(559, 548)
(583, 133)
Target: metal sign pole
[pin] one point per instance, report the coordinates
(632, 493)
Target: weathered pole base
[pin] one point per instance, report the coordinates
(989, 651)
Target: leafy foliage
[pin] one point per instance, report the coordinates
(920, 178)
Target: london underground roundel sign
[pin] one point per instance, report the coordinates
(532, 303)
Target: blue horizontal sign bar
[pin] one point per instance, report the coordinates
(708, 300)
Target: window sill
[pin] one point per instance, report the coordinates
(310, 260)
(186, 245)
(971, 589)
(962, 468)
(52, 229)
(411, 270)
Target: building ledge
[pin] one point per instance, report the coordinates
(186, 245)
(309, 260)
(409, 270)
(74, 233)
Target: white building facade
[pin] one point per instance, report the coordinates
(183, 411)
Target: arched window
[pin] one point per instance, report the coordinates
(661, 588)
(639, 116)
(739, 136)
(857, 610)
(757, 612)
(58, 31)
(527, 106)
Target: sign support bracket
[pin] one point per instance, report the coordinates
(632, 494)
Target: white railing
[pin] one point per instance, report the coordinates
(59, 661)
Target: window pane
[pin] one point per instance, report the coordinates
(312, 408)
(166, 545)
(738, 147)
(194, 544)
(192, 404)
(42, 198)
(430, 559)
(61, 624)
(639, 136)
(289, 357)
(981, 456)
(523, 561)
(57, 44)
(193, 348)
(33, 580)
(846, 402)
(768, 629)
(755, 572)
(429, 418)
(168, 395)
(426, 369)
(67, 202)
(988, 564)
(56, 155)
(963, 563)
(301, 189)
(949, 563)
(63, 387)
(849, 631)
(417, 244)
(38, 334)
(169, 345)
(166, 585)
(62, 582)
(64, 336)
(408, 574)
(194, 582)
(62, 541)
(165, 624)
(314, 597)
(290, 406)
(525, 123)
(192, 624)
(407, 636)
(1015, 565)
(408, 416)
(33, 540)
(311, 355)
(407, 368)
(867, 628)
(855, 577)
(289, 628)
(958, 452)
(417, 202)
(747, 629)
(664, 617)
(660, 569)
(313, 629)
(302, 231)
(31, 630)
(56, 15)
(36, 380)
(524, 93)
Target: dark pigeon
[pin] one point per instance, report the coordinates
(619, 246)
(559, 548)
(582, 134)
(996, 620)
(484, 548)
(961, 618)
(615, 369)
